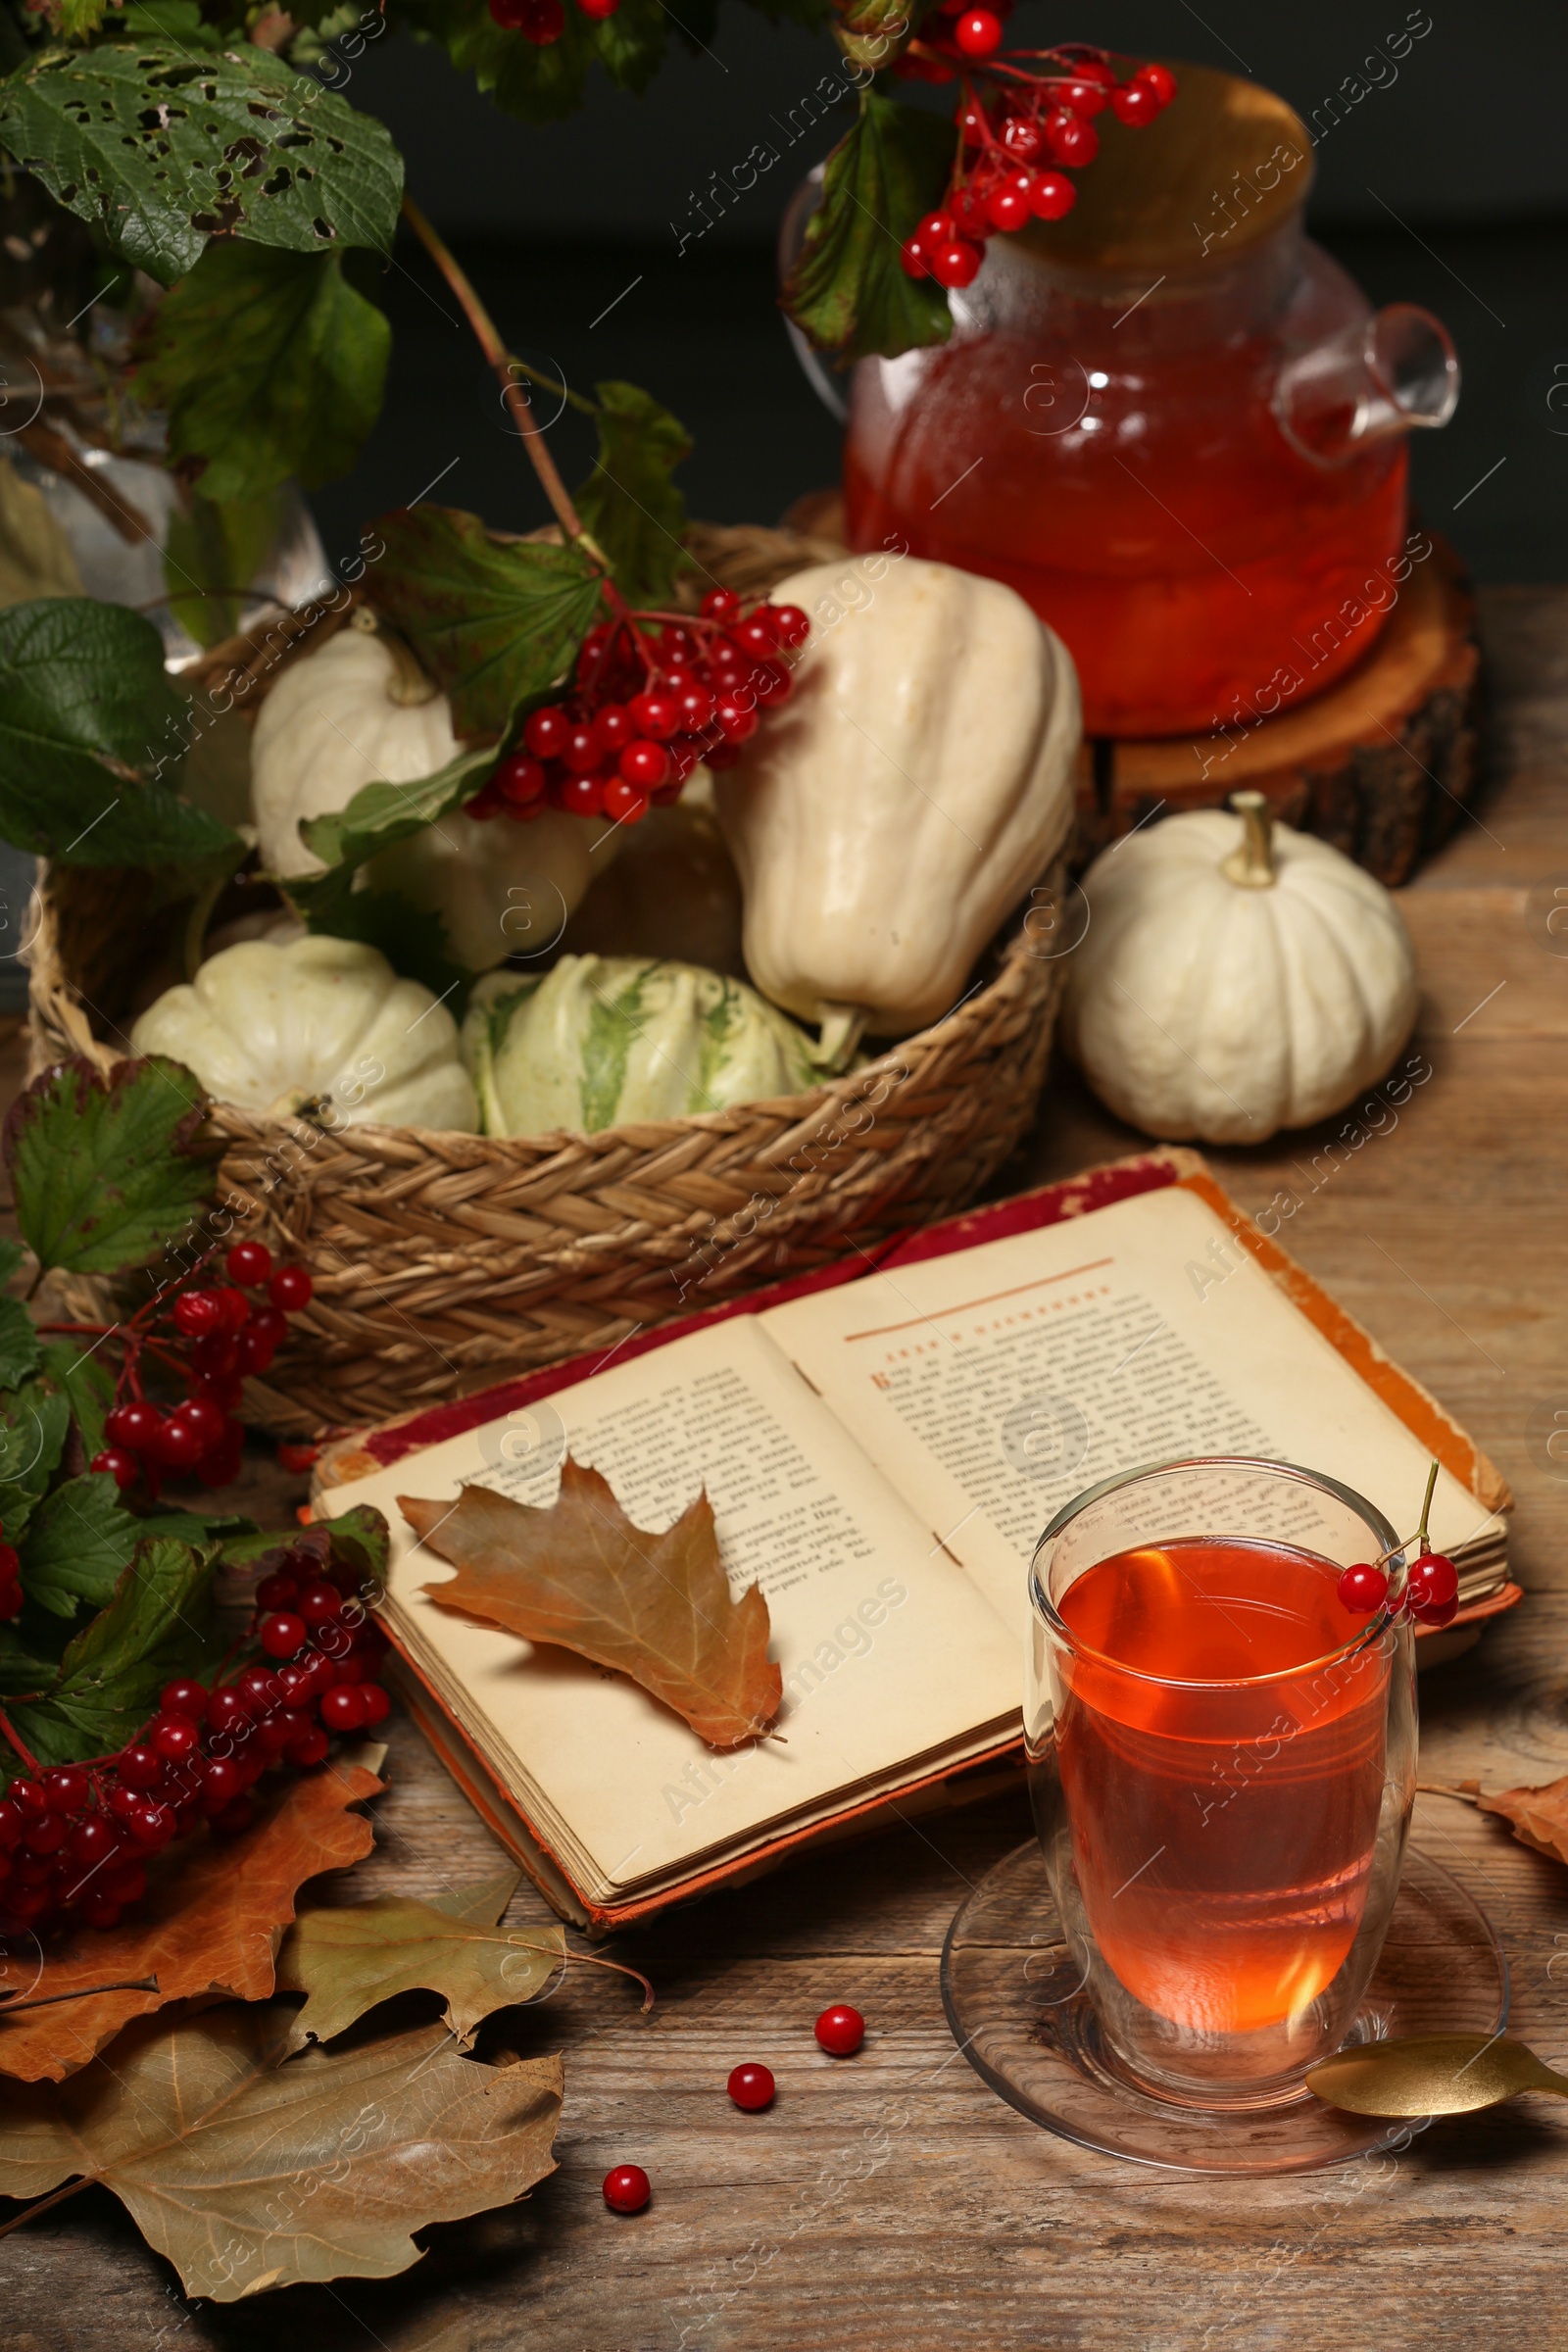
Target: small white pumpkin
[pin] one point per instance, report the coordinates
(357, 712)
(317, 1020)
(1236, 977)
(919, 780)
(361, 711)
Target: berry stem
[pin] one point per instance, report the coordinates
(1421, 1536)
(501, 361)
(14, 1739)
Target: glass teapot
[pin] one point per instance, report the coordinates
(1170, 421)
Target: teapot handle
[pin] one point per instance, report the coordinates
(791, 237)
(1395, 372)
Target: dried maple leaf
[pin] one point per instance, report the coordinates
(345, 1960)
(211, 1922)
(249, 2175)
(658, 1608)
(1538, 1817)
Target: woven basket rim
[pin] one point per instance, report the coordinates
(245, 1126)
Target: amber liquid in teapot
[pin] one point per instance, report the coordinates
(1197, 472)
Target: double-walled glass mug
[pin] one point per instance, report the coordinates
(1222, 1764)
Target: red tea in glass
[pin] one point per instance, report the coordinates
(1212, 1911)
(1222, 1765)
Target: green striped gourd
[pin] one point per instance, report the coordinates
(601, 1040)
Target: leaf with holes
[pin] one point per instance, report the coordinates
(108, 1170)
(628, 504)
(249, 2175)
(348, 1958)
(209, 1922)
(494, 620)
(269, 364)
(161, 148)
(656, 1607)
(87, 722)
(849, 292)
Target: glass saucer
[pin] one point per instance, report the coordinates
(1013, 1997)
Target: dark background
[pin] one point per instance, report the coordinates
(1449, 187)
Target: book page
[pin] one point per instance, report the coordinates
(994, 1385)
(886, 1650)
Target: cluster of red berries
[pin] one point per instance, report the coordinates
(229, 1336)
(1020, 142)
(1431, 1588)
(649, 702)
(544, 21)
(74, 1842)
(840, 2032)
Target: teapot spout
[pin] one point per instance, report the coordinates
(1393, 373)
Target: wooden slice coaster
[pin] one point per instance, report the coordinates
(1382, 765)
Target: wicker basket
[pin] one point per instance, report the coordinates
(443, 1263)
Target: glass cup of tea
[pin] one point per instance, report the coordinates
(1222, 1764)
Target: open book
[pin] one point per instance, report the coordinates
(883, 1445)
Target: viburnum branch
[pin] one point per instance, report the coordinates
(16, 1742)
(503, 364)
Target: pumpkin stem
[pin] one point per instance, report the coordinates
(409, 684)
(1252, 863)
(840, 1027)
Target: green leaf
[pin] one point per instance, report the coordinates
(849, 291)
(178, 21)
(412, 939)
(102, 1169)
(78, 1542)
(494, 620)
(628, 504)
(269, 365)
(87, 1387)
(543, 83)
(157, 1625)
(381, 814)
(161, 149)
(21, 1354)
(86, 712)
(211, 553)
(34, 1423)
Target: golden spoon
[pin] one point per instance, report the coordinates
(1430, 2074)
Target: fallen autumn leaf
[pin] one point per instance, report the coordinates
(580, 1573)
(347, 1959)
(211, 1922)
(248, 2174)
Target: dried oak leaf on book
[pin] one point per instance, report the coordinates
(347, 1959)
(249, 2173)
(580, 1573)
(211, 1922)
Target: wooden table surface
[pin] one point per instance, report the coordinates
(891, 2203)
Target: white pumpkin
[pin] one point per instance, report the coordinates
(1236, 977)
(275, 1028)
(354, 712)
(889, 814)
(362, 711)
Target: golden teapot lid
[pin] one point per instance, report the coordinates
(1218, 171)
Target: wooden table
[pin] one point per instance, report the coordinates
(891, 2203)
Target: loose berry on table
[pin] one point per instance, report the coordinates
(627, 2188)
(840, 2030)
(751, 2086)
